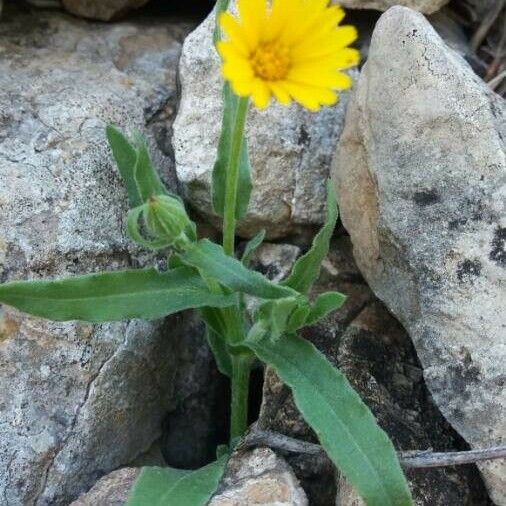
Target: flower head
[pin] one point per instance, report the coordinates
(289, 49)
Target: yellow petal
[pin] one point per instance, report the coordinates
(253, 16)
(234, 32)
(260, 94)
(280, 93)
(323, 45)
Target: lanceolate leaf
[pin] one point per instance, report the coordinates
(164, 486)
(345, 427)
(219, 348)
(216, 326)
(230, 102)
(146, 177)
(251, 246)
(307, 268)
(111, 296)
(125, 156)
(323, 305)
(212, 260)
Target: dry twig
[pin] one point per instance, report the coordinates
(414, 459)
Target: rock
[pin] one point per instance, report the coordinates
(420, 174)
(104, 10)
(45, 4)
(259, 478)
(77, 400)
(290, 148)
(455, 37)
(275, 261)
(425, 6)
(377, 356)
(111, 490)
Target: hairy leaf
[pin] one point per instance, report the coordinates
(216, 327)
(307, 268)
(344, 425)
(219, 348)
(146, 178)
(112, 296)
(230, 103)
(274, 315)
(324, 304)
(251, 246)
(126, 156)
(212, 260)
(165, 486)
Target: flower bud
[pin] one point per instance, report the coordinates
(166, 219)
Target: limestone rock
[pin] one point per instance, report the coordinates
(104, 10)
(259, 478)
(77, 400)
(425, 6)
(290, 148)
(111, 490)
(421, 181)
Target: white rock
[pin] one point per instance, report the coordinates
(421, 181)
(290, 148)
(425, 6)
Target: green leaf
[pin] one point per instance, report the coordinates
(212, 260)
(230, 102)
(146, 178)
(216, 328)
(324, 304)
(307, 268)
(220, 352)
(112, 296)
(126, 156)
(346, 428)
(251, 246)
(165, 486)
(274, 315)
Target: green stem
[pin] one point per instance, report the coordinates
(241, 366)
(221, 6)
(233, 175)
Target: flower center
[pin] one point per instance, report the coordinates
(271, 61)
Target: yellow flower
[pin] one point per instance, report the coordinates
(289, 49)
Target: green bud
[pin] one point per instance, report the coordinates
(166, 219)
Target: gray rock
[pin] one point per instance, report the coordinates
(111, 490)
(104, 10)
(290, 148)
(377, 356)
(259, 478)
(275, 260)
(77, 400)
(425, 6)
(421, 181)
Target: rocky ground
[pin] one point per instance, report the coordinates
(417, 154)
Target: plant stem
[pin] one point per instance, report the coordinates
(241, 366)
(233, 176)
(221, 6)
